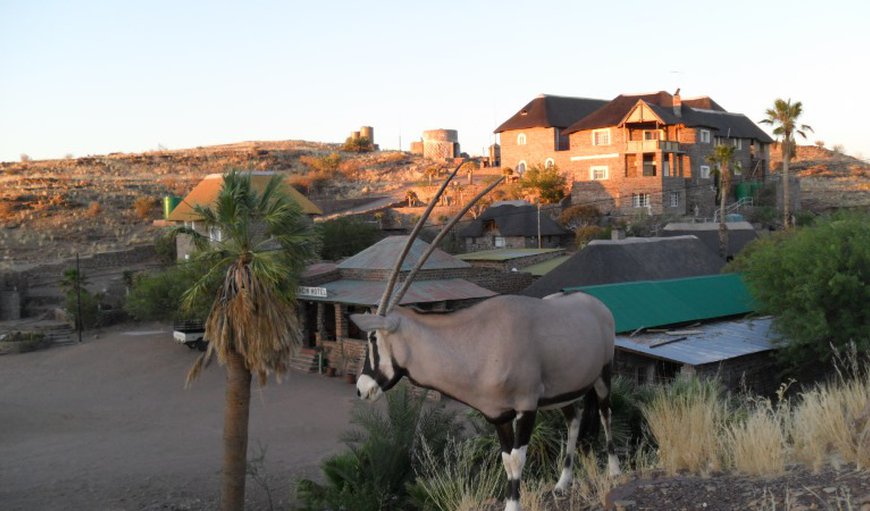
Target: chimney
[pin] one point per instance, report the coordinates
(678, 103)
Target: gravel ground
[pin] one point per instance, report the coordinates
(108, 425)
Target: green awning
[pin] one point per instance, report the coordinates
(654, 303)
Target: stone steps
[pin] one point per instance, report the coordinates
(305, 360)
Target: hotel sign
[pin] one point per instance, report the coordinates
(312, 292)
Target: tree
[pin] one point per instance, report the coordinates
(252, 326)
(723, 156)
(358, 145)
(345, 236)
(545, 182)
(412, 198)
(814, 282)
(784, 119)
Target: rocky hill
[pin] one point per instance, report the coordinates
(829, 179)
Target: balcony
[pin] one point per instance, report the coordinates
(651, 146)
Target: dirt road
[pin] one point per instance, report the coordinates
(107, 425)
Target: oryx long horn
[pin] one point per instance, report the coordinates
(432, 246)
(385, 298)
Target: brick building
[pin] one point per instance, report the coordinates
(636, 152)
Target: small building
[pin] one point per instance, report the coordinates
(629, 259)
(690, 326)
(512, 259)
(440, 144)
(513, 224)
(205, 194)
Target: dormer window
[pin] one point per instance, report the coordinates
(521, 139)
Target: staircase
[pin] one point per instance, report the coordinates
(745, 201)
(59, 334)
(305, 360)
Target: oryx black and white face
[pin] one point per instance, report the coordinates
(380, 372)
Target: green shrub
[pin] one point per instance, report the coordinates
(383, 455)
(346, 236)
(157, 296)
(357, 145)
(22, 342)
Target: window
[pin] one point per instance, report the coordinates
(499, 242)
(674, 199)
(601, 137)
(549, 163)
(215, 234)
(705, 172)
(651, 135)
(737, 143)
(521, 139)
(705, 136)
(521, 168)
(598, 172)
(640, 200)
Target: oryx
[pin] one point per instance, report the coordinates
(507, 357)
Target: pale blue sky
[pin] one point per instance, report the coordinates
(92, 77)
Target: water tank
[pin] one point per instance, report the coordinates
(368, 132)
(169, 203)
(743, 190)
(441, 135)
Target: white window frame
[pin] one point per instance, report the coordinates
(499, 242)
(594, 168)
(640, 200)
(704, 172)
(521, 139)
(603, 131)
(549, 163)
(521, 167)
(215, 234)
(704, 136)
(737, 143)
(674, 199)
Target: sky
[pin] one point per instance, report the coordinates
(93, 77)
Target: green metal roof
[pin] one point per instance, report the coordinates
(649, 304)
(504, 254)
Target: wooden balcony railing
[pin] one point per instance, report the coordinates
(651, 146)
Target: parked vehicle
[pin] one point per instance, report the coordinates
(191, 333)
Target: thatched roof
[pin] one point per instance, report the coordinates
(383, 254)
(511, 220)
(547, 111)
(739, 234)
(631, 259)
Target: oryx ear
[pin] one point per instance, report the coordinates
(371, 322)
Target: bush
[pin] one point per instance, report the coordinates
(345, 237)
(814, 282)
(157, 296)
(580, 215)
(22, 342)
(144, 207)
(545, 182)
(383, 455)
(584, 234)
(357, 145)
(326, 166)
(94, 209)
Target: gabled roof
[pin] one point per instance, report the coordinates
(650, 304)
(631, 259)
(383, 254)
(706, 344)
(206, 192)
(701, 111)
(513, 221)
(547, 111)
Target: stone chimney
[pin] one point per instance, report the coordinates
(678, 104)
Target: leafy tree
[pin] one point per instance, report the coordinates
(580, 215)
(327, 165)
(411, 197)
(723, 157)
(784, 119)
(253, 323)
(346, 236)
(814, 281)
(78, 299)
(545, 182)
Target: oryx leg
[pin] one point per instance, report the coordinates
(513, 454)
(572, 416)
(602, 390)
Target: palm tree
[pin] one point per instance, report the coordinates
(260, 243)
(723, 156)
(783, 117)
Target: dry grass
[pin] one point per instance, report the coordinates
(144, 207)
(459, 480)
(686, 419)
(94, 209)
(758, 445)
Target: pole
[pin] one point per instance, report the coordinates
(539, 224)
(78, 298)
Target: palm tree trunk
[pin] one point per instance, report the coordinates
(238, 400)
(786, 198)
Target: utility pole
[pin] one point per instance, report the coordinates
(539, 223)
(78, 297)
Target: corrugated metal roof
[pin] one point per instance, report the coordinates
(712, 343)
(545, 267)
(505, 254)
(382, 256)
(368, 292)
(649, 304)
